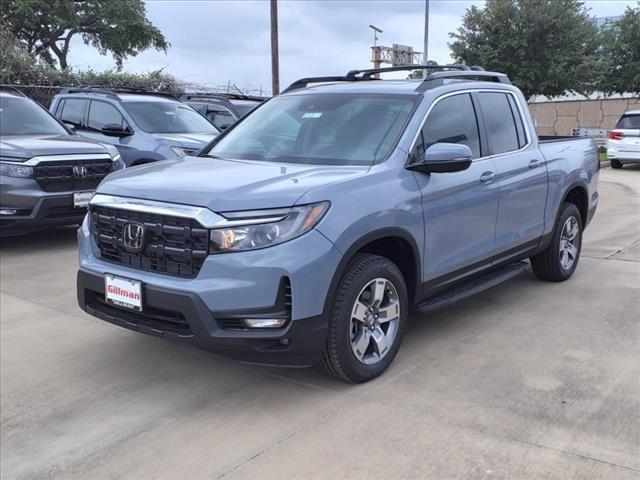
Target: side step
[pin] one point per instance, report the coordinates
(478, 285)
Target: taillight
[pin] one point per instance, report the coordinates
(616, 135)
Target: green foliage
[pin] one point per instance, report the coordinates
(41, 81)
(45, 27)
(547, 47)
(621, 54)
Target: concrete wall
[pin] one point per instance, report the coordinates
(558, 118)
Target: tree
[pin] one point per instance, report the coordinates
(621, 53)
(547, 47)
(45, 27)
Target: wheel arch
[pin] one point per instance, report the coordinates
(396, 244)
(577, 193)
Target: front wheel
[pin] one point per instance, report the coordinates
(558, 262)
(615, 163)
(367, 320)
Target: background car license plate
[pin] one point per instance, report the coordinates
(123, 292)
(81, 199)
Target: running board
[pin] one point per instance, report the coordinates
(478, 285)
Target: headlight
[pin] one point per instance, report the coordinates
(16, 170)
(178, 151)
(265, 228)
(118, 163)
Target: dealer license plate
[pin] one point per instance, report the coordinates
(123, 292)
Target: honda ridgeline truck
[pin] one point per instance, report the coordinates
(307, 231)
(47, 174)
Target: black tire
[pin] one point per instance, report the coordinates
(615, 163)
(547, 265)
(339, 358)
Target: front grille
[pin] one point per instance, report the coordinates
(58, 176)
(172, 245)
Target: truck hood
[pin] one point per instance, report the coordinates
(189, 140)
(24, 147)
(224, 185)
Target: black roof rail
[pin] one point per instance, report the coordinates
(228, 96)
(112, 92)
(11, 89)
(368, 74)
(438, 78)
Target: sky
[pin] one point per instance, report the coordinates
(214, 42)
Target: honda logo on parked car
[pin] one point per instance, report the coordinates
(133, 236)
(79, 171)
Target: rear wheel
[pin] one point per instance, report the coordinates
(615, 163)
(367, 321)
(558, 262)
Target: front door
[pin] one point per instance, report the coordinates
(460, 209)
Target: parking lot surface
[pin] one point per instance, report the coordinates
(529, 379)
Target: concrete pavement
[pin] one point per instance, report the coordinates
(527, 380)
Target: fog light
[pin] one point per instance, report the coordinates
(264, 322)
(8, 211)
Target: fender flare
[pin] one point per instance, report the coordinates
(386, 232)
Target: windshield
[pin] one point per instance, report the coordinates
(332, 129)
(168, 117)
(629, 121)
(20, 116)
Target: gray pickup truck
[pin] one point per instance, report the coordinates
(47, 174)
(307, 231)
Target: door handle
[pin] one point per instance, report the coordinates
(534, 163)
(486, 177)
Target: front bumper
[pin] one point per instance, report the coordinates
(228, 287)
(37, 211)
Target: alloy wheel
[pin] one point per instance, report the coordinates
(375, 318)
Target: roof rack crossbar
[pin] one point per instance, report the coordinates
(438, 78)
(233, 96)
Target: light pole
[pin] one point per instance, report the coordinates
(376, 31)
(425, 55)
(275, 63)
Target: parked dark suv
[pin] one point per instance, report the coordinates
(143, 127)
(222, 109)
(47, 175)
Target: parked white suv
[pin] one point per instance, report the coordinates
(623, 145)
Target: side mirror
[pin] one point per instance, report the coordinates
(71, 128)
(114, 130)
(444, 158)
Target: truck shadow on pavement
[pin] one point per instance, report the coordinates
(41, 240)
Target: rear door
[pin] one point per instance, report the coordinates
(521, 170)
(460, 209)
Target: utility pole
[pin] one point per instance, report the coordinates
(425, 54)
(275, 63)
(376, 56)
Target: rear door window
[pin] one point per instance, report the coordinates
(452, 120)
(499, 122)
(73, 111)
(102, 113)
(629, 122)
(220, 117)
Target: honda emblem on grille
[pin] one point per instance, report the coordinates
(79, 171)
(133, 236)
